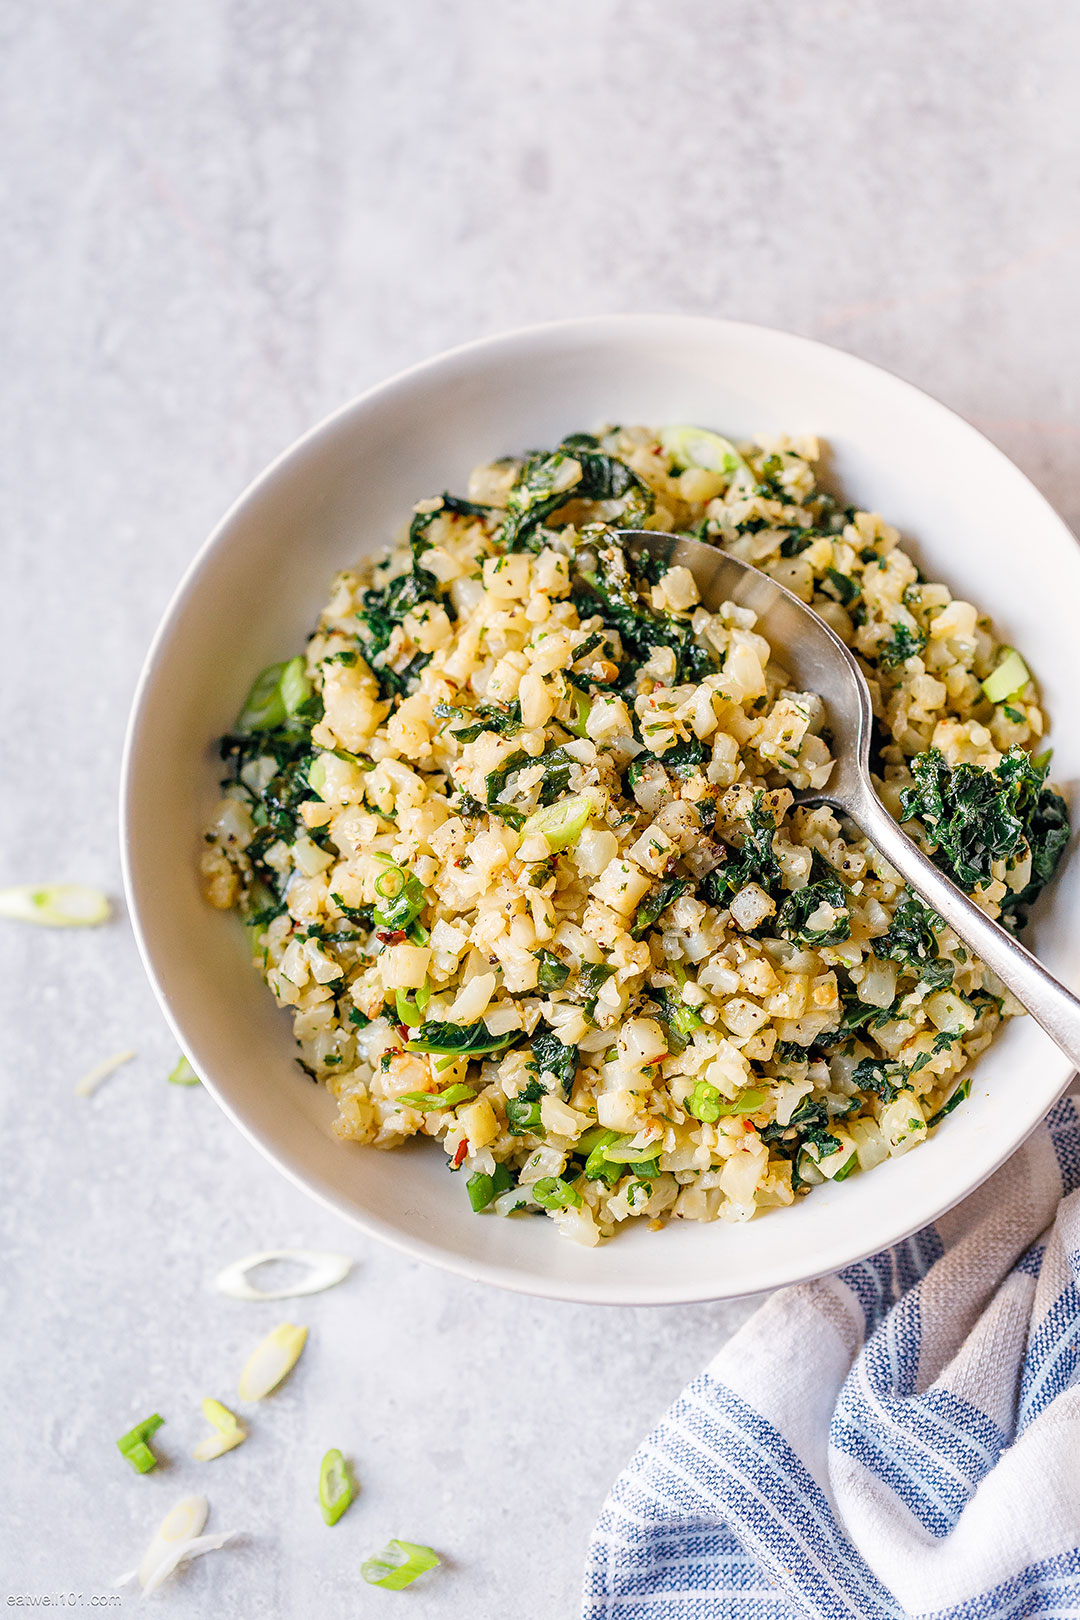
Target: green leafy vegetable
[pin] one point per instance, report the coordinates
(911, 941)
(623, 608)
(552, 1056)
(499, 717)
(680, 1019)
(962, 1092)
(574, 472)
(824, 888)
(523, 1111)
(975, 817)
(655, 904)
(753, 863)
(551, 974)
(460, 1040)
(902, 645)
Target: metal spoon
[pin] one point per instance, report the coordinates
(819, 662)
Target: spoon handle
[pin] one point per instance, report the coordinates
(1056, 1009)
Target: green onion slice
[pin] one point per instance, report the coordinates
(183, 1074)
(561, 824)
(706, 1103)
(402, 895)
(55, 905)
(295, 686)
(271, 1360)
(623, 1153)
(337, 1487)
(697, 447)
(228, 1431)
(325, 1270)
(551, 1192)
(1011, 676)
(264, 706)
(411, 1012)
(484, 1189)
(133, 1445)
(101, 1071)
(398, 1565)
(438, 1099)
(278, 691)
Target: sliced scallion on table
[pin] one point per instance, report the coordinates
(398, 1565)
(134, 1447)
(337, 1487)
(325, 1270)
(88, 1084)
(271, 1360)
(176, 1539)
(183, 1074)
(228, 1431)
(55, 905)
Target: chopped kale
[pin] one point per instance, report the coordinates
(591, 979)
(883, 1079)
(975, 817)
(962, 1092)
(556, 764)
(542, 488)
(846, 588)
(903, 644)
(382, 613)
(753, 863)
(523, 1111)
(655, 904)
(551, 974)
(552, 1056)
(504, 718)
(681, 1020)
(824, 888)
(422, 521)
(460, 1040)
(623, 608)
(911, 941)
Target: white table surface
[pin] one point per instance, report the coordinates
(221, 220)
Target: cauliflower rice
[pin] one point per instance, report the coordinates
(515, 841)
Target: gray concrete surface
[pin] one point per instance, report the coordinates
(221, 219)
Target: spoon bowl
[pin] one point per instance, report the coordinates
(818, 661)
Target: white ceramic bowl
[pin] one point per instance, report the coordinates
(252, 595)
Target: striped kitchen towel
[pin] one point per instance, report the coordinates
(901, 1439)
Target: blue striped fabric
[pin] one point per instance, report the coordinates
(915, 1453)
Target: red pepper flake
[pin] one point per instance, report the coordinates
(403, 1032)
(459, 1156)
(390, 936)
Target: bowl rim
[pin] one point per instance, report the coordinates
(781, 1272)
